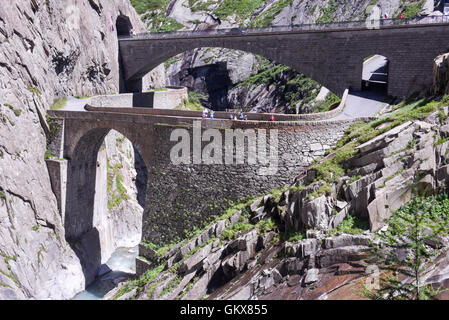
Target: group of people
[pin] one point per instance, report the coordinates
(211, 114)
(206, 114)
(242, 116)
(400, 16)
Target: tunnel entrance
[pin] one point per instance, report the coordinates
(375, 74)
(123, 26)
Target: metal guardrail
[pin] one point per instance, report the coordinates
(367, 24)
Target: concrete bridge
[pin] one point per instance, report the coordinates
(331, 54)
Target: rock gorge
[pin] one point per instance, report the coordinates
(47, 53)
(51, 49)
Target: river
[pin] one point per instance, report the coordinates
(119, 267)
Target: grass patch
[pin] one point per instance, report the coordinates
(330, 102)
(59, 104)
(243, 9)
(34, 90)
(119, 193)
(351, 225)
(413, 9)
(147, 277)
(267, 17)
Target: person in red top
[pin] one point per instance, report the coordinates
(272, 118)
(401, 16)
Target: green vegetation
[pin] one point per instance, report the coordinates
(333, 168)
(267, 17)
(171, 61)
(4, 118)
(294, 88)
(49, 155)
(413, 9)
(17, 112)
(147, 277)
(118, 194)
(327, 13)
(193, 102)
(34, 90)
(266, 75)
(153, 13)
(157, 90)
(59, 104)
(160, 23)
(243, 9)
(161, 250)
(361, 132)
(143, 6)
(330, 102)
(240, 227)
(421, 221)
(171, 286)
(201, 5)
(351, 225)
(292, 236)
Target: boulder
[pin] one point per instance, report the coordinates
(308, 247)
(329, 257)
(311, 276)
(314, 212)
(386, 201)
(195, 260)
(346, 240)
(276, 275)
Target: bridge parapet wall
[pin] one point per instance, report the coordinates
(166, 98)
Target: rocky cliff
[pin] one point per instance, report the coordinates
(240, 80)
(311, 240)
(48, 50)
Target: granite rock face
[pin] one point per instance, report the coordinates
(48, 50)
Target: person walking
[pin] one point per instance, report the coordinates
(401, 16)
(272, 118)
(212, 114)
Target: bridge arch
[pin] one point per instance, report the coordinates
(82, 198)
(140, 59)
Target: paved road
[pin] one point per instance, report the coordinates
(358, 104)
(375, 69)
(362, 104)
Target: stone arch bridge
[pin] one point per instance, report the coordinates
(331, 54)
(178, 196)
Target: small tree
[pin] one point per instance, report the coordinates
(409, 244)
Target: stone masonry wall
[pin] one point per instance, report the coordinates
(334, 58)
(182, 197)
